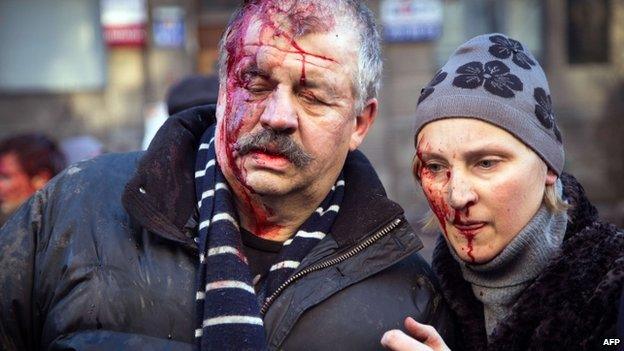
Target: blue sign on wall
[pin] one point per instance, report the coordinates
(168, 27)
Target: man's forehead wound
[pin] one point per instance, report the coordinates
(299, 17)
(287, 20)
(311, 18)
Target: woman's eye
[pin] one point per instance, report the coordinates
(487, 164)
(434, 167)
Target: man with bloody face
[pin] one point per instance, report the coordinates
(253, 225)
(289, 110)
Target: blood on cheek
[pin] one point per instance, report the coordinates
(433, 191)
(436, 193)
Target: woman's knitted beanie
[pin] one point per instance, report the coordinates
(496, 79)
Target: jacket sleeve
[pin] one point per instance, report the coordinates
(442, 320)
(18, 242)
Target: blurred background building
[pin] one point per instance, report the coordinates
(102, 67)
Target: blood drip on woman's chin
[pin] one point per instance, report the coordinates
(469, 235)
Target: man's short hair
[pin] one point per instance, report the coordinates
(367, 82)
(35, 152)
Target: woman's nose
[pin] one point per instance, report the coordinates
(461, 191)
(279, 113)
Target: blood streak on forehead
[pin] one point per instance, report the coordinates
(282, 25)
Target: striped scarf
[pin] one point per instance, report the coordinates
(228, 309)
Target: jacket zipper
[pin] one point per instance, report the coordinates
(322, 265)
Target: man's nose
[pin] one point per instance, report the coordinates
(279, 113)
(461, 192)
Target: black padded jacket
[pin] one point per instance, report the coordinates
(103, 259)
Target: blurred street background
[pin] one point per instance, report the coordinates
(102, 68)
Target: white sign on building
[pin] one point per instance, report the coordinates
(124, 22)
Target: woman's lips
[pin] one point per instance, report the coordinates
(468, 226)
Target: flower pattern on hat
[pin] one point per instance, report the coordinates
(428, 90)
(494, 76)
(557, 134)
(504, 47)
(544, 111)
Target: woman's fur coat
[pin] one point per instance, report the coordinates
(571, 305)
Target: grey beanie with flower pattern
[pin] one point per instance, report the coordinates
(496, 79)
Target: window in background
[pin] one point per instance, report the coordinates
(219, 5)
(212, 21)
(588, 31)
(51, 46)
(519, 19)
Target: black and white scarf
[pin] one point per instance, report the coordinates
(227, 309)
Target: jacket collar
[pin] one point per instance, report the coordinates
(365, 207)
(161, 194)
(581, 212)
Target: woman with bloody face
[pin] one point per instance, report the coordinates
(523, 260)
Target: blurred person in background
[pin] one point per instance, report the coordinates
(191, 91)
(27, 163)
(524, 261)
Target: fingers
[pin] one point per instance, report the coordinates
(397, 340)
(425, 334)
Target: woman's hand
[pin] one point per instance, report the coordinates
(423, 338)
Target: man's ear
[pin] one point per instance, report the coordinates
(363, 122)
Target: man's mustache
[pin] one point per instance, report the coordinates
(270, 141)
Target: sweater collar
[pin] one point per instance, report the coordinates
(161, 194)
(524, 257)
(498, 284)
